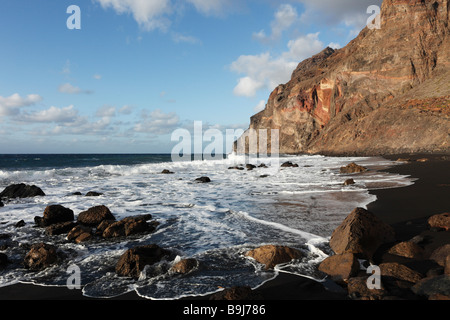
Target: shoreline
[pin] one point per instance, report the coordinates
(406, 209)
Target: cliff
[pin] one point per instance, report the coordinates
(386, 92)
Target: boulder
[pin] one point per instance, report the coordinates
(40, 256)
(133, 261)
(288, 164)
(271, 255)
(127, 226)
(95, 215)
(349, 182)
(400, 272)
(21, 191)
(361, 233)
(441, 221)
(203, 179)
(352, 168)
(59, 228)
(165, 171)
(432, 286)
(93, 194)
(250, 166)
(55, 214)
(358, 290)
(79, 234)
(184, 266)
(236, 168)
(340, 267)
(440, 254)
(407, 249)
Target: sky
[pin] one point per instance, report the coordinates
(120, 76)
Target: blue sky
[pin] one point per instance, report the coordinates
(139, 69)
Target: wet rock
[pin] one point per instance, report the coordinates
(441, 221)
(95, 215)
(432, 286)
(60, 228)
(133, 261)
(288, 164)
(40, 256)
(271, 255)
(407, 249)
(358, 290)
(349, 182)
(1, 204)
(250, 166)
(352, 168)
(361, 233)
(19, 224)
(93, 194)
(203, 179)
(340, 267)
(236, 168)
(184, 266)
(79, 234)
(440, 254)
(165, 171)
(399, 271)
(21, 191)
(127, 226)
(55, 214)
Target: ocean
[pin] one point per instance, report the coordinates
(215, 223)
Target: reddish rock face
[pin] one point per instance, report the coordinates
(387, 91)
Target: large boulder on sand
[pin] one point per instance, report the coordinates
(95, 215)
(441, 221)
(340, 267)
(271, 255)
(133, 261)
(361, 233)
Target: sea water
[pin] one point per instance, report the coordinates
(215, 223)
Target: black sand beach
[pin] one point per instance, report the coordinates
(406, 209)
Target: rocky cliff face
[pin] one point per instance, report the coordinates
(387, 91)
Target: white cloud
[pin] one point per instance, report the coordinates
(97, 76)
(53, 114)
(11, 105)
(158, 122)
(264, 71)
(150, 15)
(214, 7)
(284, 18)
(126, 110)
(106, 111)
(70, 89)
(180, 38)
